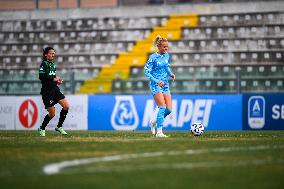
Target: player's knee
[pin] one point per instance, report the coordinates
(51, 114)
(65, 105)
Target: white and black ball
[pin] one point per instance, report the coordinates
(197, 129)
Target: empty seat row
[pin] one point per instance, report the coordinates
(81, 24)
(177, 59)
(179, 86)
(242, 19)
(26, 87)
(19, 88)
(144, 22)
(32, 74)
(19, 82)
(233, 57)
(224, 71)
(175, 46)
(262, 85)
(226, 44)
(74, 36)
(203, 86)
(233, 32)
(92, 48)
(133, 35)
(69, 61)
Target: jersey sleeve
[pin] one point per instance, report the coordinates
(44, 73)
(148, 68)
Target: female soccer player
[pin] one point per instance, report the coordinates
(157, 69)
(50, 91)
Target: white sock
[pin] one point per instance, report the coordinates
(160, 130)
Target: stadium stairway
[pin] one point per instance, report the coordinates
(138, 55)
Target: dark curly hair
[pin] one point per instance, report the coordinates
(45, 52)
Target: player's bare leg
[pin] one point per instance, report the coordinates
(47, 118)
(160, 101)
(63, 113)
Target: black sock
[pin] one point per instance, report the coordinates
(62, 117)
(45, 122)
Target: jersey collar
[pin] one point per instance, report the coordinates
(161, 55)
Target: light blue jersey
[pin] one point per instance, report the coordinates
(158, 69)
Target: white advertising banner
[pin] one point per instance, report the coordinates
(77, 117)
(7, 109)
(30, 112)
(27, 112)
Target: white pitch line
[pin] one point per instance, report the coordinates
(55, 168)
(182, 165)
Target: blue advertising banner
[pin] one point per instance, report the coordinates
(263, 111)
(133, 112)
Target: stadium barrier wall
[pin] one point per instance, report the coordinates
(27, 113)
(7, 113)
(263, 111)
(133, 112)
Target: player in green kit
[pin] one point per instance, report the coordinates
(50, 91)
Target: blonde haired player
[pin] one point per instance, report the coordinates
(157, 70)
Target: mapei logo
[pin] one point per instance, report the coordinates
(184, 112)
(28, 113)
(256, 112)
(124, 115)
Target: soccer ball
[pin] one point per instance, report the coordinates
(197, 129)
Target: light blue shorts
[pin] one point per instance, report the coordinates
(155, 88)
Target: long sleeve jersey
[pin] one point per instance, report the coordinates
(47, 73)
(157, 67)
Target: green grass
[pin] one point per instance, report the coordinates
(239, 159)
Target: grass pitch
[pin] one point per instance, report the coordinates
(119, 160)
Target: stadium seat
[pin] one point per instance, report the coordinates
(210, 52)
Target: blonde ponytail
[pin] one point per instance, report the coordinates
(158, 41)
